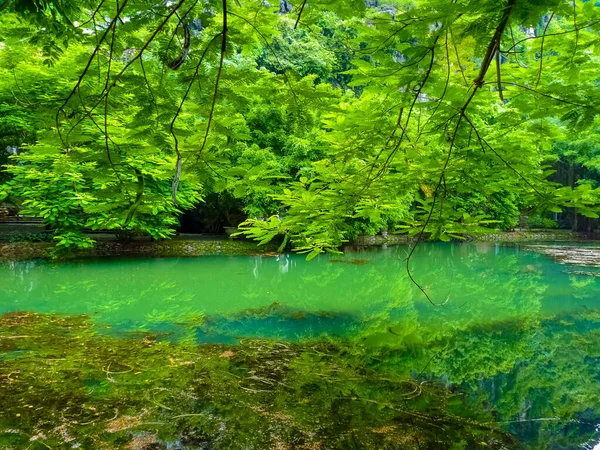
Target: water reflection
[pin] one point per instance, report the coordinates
(483, 283)
(517, 344)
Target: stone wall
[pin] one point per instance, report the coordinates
(198, 245)
(15, 228)
(389, 239)
(150, 249)
(536, 235)
(508, 236)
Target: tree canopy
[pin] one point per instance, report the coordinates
(315, 121)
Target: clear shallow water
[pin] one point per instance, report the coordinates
(478, 284)
(517, 333)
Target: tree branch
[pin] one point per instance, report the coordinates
(111, 25)
(219, 72)
(498, 74)
(106, 92)
(542, 50)
(580, 105)
(559, 33)
(300, 13)
(493, 46)
(177, 177)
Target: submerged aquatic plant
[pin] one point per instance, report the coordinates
(63, 384)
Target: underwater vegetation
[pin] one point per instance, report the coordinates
(266, 353)
(63, 385)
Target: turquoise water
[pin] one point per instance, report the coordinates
(510, 325)
(477, 283)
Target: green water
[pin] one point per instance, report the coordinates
(513, 341)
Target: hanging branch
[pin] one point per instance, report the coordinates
(410, 111)
(272, 50)
(181, 19)
(219, 71)
(558, 33)
(404, 128)
(104, 130)
(512, 36)
(107, 138)
(106, 92)
(446, 85)
(462, 72)
(542, 50)
(61, 109)
(576, 32)
(398, 125)
(535, 91)
(145, 46)
(177, 177)
(300, 14)
(371, 50)
(177, 62)
(150, 90)
(493, 47)
(110, 57)
(138, 197)
(498, 74)
(506, 163)
(92, 18)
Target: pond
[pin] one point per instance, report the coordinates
(276, 352)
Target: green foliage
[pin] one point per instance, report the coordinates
(373, 106)
(539, 221)
(71, 195)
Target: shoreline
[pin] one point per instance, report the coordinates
(187, 245)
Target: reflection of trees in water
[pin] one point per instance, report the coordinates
(497, 341)
(93, 391)
(319, 394)
(483, 288)
(538, 377)
(480, 286)
(516, 370)
(557, 380)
